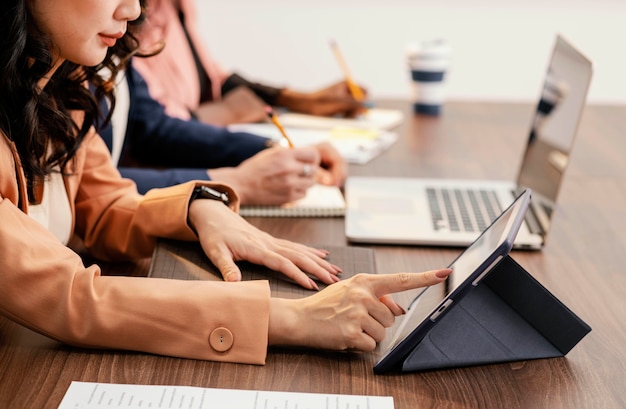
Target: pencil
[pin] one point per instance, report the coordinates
(355, 90)
(274, 119)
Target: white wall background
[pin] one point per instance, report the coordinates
(500, 47)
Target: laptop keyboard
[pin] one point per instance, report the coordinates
(462, 209)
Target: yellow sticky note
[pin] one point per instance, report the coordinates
(343, 132)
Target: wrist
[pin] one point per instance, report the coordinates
(291, 100)
(283, 323)
(200, 211)
(232, 177)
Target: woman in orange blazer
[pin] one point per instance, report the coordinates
(57, 180)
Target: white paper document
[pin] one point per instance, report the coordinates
(374, 118)
(87, 395)
(355, 145)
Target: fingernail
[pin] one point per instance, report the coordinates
(231, 277)
(338, 269)
(313, 285)
(443, 273)
(322, 253)
(401, 309)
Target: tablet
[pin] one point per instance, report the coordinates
(471, 266)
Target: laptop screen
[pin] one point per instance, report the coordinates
(554, 127)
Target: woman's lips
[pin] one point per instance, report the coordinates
(110, 39)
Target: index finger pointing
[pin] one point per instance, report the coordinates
(393, 283)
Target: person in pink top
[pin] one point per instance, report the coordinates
(190, 83)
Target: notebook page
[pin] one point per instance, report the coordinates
(319, 201)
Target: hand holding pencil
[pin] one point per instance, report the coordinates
(329, 168)
(276, 122)
(345, 98)
(355, 90)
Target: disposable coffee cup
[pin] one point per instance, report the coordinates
(428, 62)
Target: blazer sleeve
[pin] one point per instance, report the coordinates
(46, 287)
(114, 221)
(155, 138)
(269, 94)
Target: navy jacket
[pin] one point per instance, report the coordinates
(171, 150)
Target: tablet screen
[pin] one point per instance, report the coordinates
(494, 243)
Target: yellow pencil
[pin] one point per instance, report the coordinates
(355, 90)
(274, 119)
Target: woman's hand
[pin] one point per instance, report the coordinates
(333, 167)
(226, 237)
(277, 175)
(351, 314)
(335, 99)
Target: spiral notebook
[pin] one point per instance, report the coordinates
(320, 201)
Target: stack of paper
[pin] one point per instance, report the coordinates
(374, 118)
(356, 145)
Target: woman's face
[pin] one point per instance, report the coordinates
(83, 30)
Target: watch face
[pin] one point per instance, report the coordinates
(205, 192)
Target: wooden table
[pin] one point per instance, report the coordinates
(582, 264)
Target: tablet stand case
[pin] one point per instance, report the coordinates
(508, 316)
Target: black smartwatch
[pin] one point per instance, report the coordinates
(205, 192)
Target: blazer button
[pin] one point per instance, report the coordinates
(221, 339)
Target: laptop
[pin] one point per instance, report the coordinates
(449, 212)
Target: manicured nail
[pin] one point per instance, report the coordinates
(443, 273)
(313, 285)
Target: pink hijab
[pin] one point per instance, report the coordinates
(171, 75)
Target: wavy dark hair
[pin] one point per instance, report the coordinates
(39, 121)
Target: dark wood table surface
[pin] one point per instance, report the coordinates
(582, 264)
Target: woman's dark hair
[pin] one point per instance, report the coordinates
(39, 121)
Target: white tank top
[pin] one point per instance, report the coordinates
(54, 212)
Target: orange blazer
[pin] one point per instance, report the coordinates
(45, 286)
